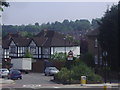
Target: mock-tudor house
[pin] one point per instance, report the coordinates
(41, 46)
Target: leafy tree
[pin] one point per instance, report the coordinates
(108, 36)
(95, 23)
(28, 54)
(88, 59)
(58, 56)
(3, 3)
(66, 27)
(37, 24)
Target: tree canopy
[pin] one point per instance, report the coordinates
(3, 3)
(71, 27)
(108, 36)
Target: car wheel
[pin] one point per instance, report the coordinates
(45, 74)
(20, 77)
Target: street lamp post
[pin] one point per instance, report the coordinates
(105, 65)
(65, 45)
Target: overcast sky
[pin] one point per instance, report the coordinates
(42, 12)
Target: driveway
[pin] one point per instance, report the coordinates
(35, 78)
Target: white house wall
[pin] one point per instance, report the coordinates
(75, 49)
(21, 51)
(6, 53)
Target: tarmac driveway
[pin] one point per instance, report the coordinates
(35, 78)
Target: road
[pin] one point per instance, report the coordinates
(35, 78)
(38, 80)
(32, 80)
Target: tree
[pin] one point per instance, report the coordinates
(108, 36)
(3, 3)
(95, 23)
(28, 54)
(37, 24)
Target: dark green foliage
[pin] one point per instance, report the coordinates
(5, 4)
(58, 56)
(88, 59)
(28, 54)
(109, 35)
(23, 29)
(65, 27)
(95, 23)
(64, 74)
(76, 72)
(26, 34)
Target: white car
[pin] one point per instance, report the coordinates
(4, 72)
(51, 71)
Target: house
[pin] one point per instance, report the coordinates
(41, 46)
(94, 47)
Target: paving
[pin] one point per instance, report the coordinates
(5, 81)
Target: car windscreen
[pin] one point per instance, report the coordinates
(52, 69)
(15, 72)
(4, 70)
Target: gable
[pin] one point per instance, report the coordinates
(32, 43)
(12, 43)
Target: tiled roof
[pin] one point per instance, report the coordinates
(93, 32)
(39, 41)
(5, 43)
(21, 41)
(54, 38)
(43, 39)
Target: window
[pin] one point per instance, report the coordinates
(46, 52)
(12, 49)
(96, 42)
(6, 53)
(33, 50)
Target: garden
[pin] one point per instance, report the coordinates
(73, 70)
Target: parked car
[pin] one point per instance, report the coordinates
(51, 71)
(14, 74)
(4, 72)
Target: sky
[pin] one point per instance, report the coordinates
(42, 12)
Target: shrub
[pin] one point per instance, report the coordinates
(63, 75)
(77, 71)
(28, 54)
(58, 56)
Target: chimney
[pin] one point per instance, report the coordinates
(45, 32)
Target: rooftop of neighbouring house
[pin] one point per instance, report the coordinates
(94, 32)
(44, 38)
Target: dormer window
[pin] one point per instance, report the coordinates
(96, 43)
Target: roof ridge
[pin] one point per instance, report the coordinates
(45, 41)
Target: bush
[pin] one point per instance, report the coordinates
(63, 75)
(58, 56)
(77, 71)
(28, 54)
